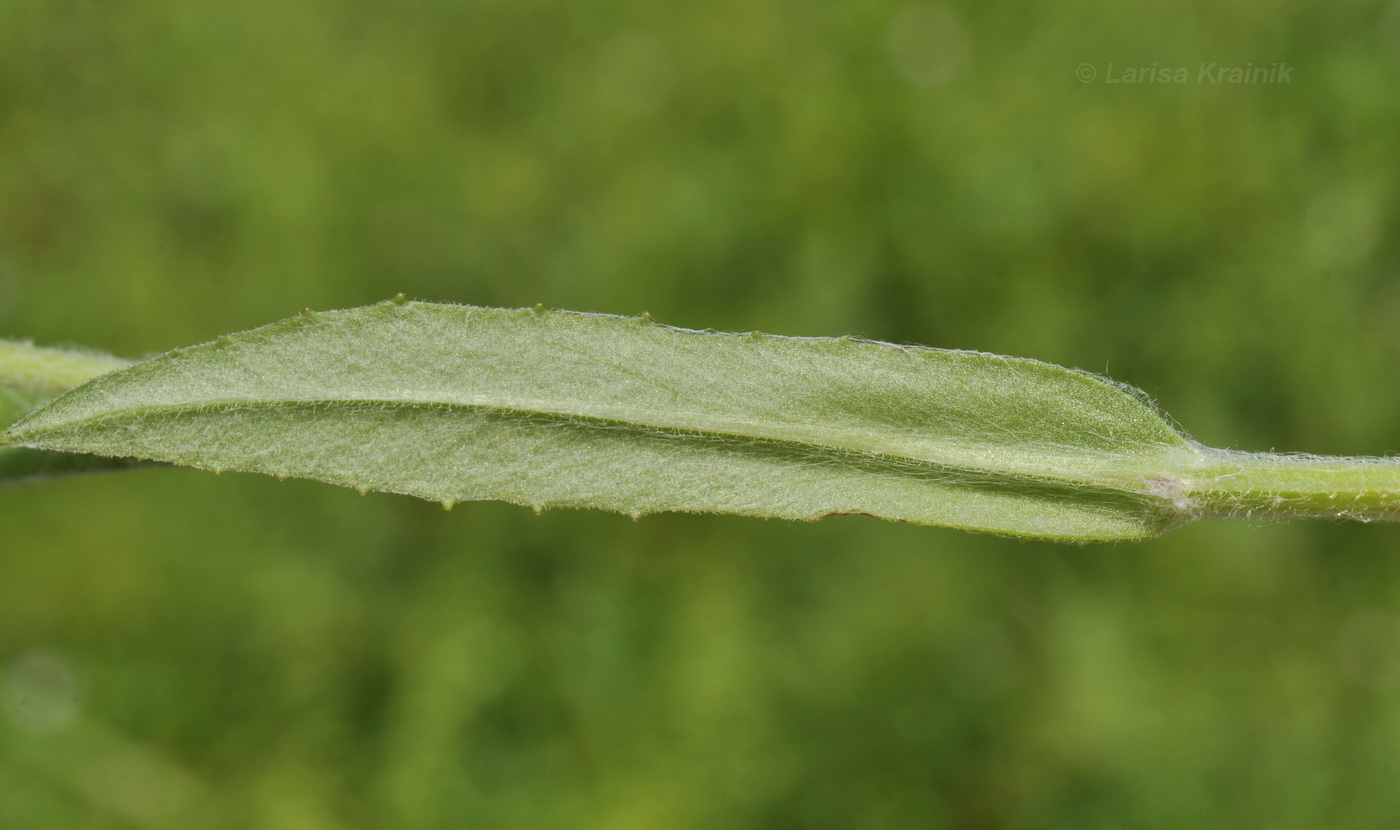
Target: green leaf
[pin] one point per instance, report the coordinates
(561, 409)
(31, 376)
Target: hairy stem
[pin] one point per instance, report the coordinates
(1295, 486)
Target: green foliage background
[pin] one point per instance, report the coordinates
(184, 650)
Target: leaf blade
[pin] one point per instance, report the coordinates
(454, 403)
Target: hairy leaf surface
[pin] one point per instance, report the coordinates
(562, 409)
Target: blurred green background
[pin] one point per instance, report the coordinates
(179, 650)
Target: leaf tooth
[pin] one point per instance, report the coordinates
(399, 299)
(364, 491)
(538, 308)
(447, 504)
(538, 508)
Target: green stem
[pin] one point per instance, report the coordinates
(1285, 487)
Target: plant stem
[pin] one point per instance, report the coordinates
(1295, 486)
